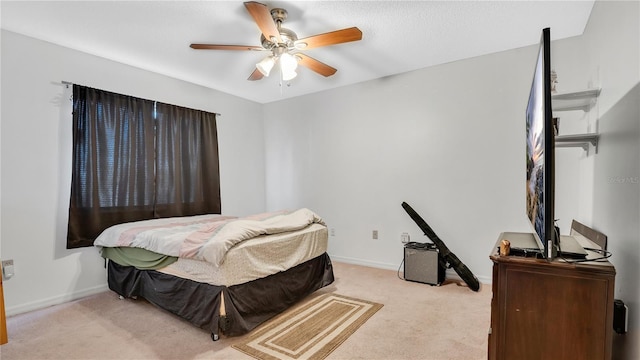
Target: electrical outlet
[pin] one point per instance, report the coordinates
(7, 269)
(333, 232)
(404, 237)
(374, 235)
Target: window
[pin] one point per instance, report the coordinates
(136, 159)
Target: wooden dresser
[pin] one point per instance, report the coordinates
(550, 309)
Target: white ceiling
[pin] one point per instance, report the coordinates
(398, 36)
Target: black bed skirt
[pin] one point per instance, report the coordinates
(247, 305)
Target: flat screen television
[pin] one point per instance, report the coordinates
(540, 153)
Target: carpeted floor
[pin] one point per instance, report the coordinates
(417, 321)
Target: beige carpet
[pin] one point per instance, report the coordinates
(309, 331)
(417, 321)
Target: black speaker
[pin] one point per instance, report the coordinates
(423, 263)
(619, 316)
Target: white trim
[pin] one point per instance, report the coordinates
(363, 262)
(56, 300)
(449, 273)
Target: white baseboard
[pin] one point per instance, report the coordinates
(449, 273)
(56, 300)
(363, 262)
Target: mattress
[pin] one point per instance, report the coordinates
(256, 258)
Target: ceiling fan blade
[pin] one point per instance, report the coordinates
(315, 65)
(262, 16)
(255, 75)
(225, 47)
(330, 38)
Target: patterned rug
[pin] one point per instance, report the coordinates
(309, 331)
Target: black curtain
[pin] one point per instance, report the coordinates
(134, 159)
(188, 178)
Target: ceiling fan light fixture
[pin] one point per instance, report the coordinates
(265, 65)
(279, 41)
(288, 75)
(288, 62)
(288, 65)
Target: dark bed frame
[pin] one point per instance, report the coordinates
(247, 305)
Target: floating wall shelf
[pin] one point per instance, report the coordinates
(579, 100)
(578, 140)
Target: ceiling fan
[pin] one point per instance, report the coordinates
(284, 45)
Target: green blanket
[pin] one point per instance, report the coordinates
(140, 258)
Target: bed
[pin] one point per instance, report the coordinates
(224, 274)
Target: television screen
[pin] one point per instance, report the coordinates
(540, 152)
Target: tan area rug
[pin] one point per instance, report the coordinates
(310, 331)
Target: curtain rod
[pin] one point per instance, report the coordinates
(64, 82)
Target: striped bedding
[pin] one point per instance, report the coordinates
(256, 258)
(203, 237)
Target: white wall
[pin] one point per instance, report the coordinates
(448, 140)
(613, 42)
(36, 157)
(574, 166)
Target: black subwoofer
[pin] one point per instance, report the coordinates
(620, 316)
